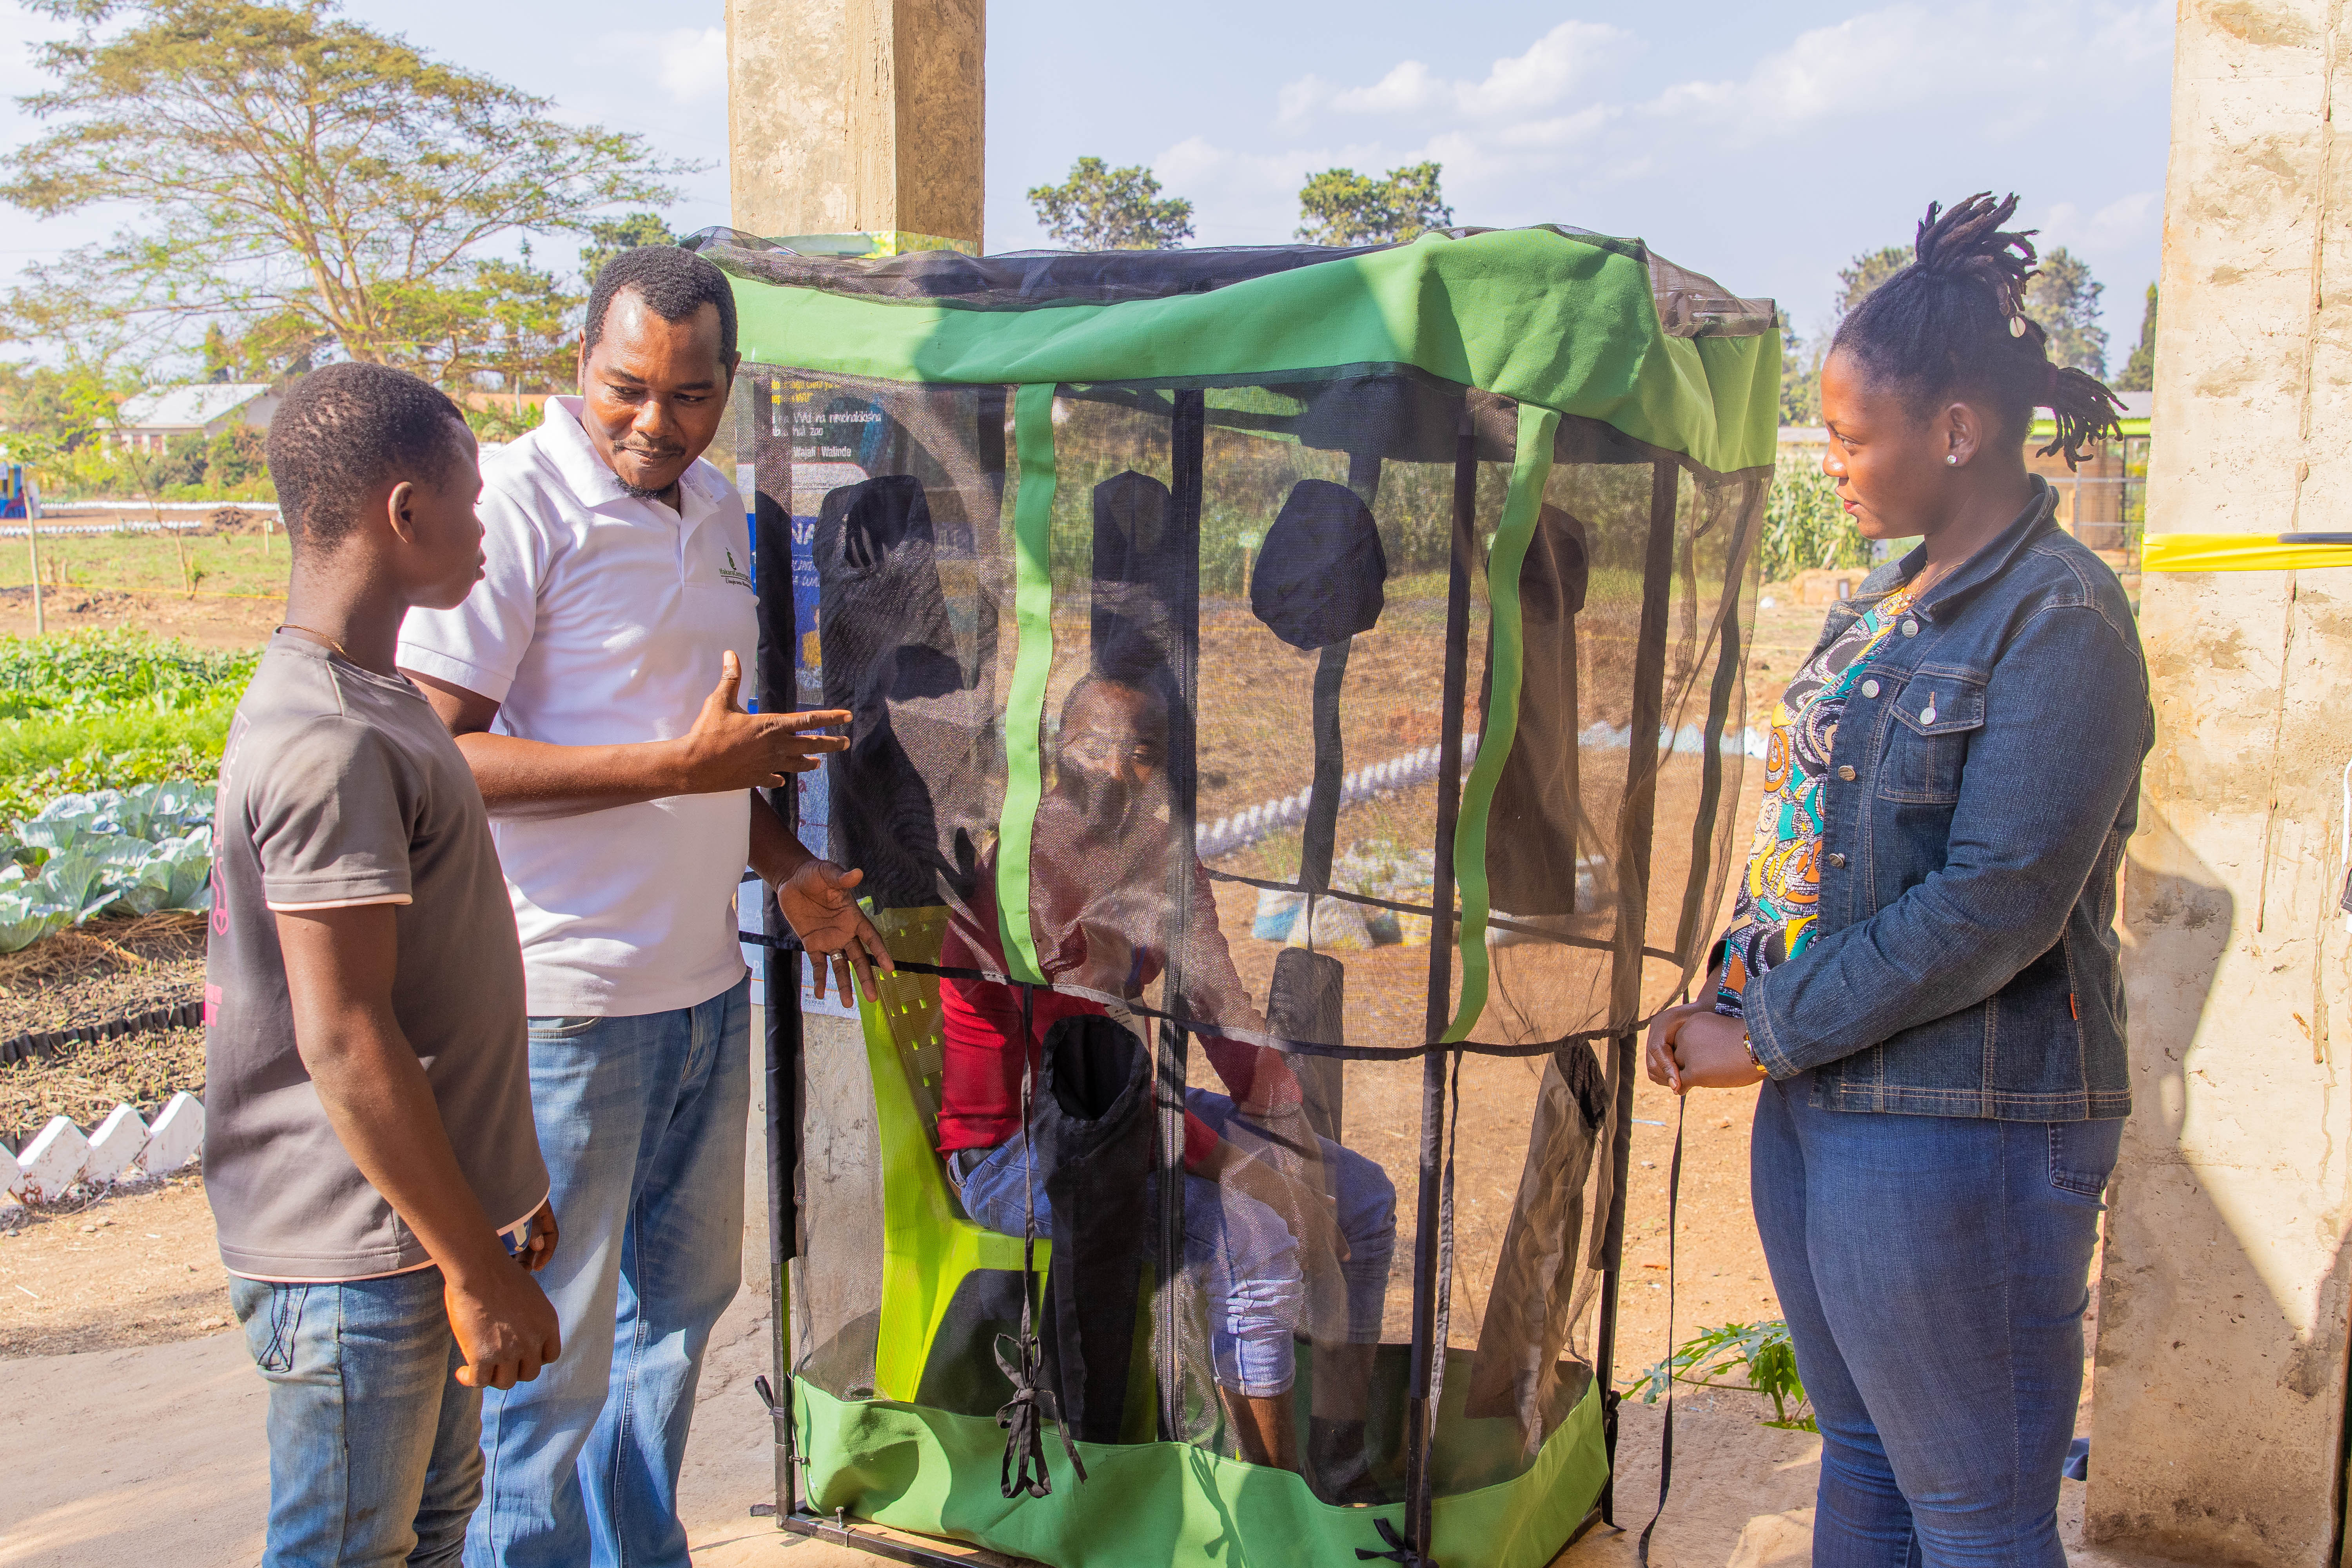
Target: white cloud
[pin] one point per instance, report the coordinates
(691, 63)
(2007, 67)
(1518, 84)
(1408, 87)
(1823, 143)
(2120, 222)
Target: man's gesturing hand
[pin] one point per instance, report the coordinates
(818, 901)
(503, 1322)
(728, 749)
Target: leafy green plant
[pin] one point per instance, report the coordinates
(135, 851)
(1759, 1355)
(1805, 525)
(93, 673)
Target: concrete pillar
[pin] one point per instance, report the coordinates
(2220, 1400)
(845, 115)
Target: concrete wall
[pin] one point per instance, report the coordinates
(2221, 1386)
(845, 115)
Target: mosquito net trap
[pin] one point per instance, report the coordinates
(1295, 694)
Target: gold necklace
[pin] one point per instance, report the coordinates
(290, 626)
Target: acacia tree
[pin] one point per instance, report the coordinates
(292, 171)
(1102, 208)
(2063, 298)
(1339, 206)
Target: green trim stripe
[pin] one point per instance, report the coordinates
(1150, 1505)
(1565, 323)
(1024, 706)
(1529, 469)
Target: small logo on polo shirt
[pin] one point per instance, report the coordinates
(734, 573)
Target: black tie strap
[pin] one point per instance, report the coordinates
(1400, 1551)
(1023, 1472)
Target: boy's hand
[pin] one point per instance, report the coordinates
(541, 1248)
(1274, 1088)
(728, 749)
(818, 900)
(504, 1325)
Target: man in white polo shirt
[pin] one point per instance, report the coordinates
(592, 680)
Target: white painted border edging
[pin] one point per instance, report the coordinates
(124, 1147)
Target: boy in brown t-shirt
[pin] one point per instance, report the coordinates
(369, 1154)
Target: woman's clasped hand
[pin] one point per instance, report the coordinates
(1692, 1046)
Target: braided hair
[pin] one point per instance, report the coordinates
(1954, 321)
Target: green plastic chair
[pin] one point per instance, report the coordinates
(929, 1244)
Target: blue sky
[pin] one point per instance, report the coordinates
(1764, 143)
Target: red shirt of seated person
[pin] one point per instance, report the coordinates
(1099, 909)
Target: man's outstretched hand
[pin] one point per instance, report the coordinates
(728, 749)
(818, 899)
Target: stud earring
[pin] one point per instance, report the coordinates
(1952, 457)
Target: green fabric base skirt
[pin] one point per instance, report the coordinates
(1167, 1504)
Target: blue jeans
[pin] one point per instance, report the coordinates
(1260, 1294)
(1934, 1270)
(642, 1122)
(373, 1445)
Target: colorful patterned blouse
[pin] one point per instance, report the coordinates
(1773, 920)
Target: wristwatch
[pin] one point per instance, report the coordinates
(1748, 1045)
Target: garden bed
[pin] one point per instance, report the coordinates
(85, 976)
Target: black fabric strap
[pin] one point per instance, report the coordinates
(1523, 928)
(1728, 666)
(1400, 1551)
(1023, 1472)
(1247, 1037)
(1666, 1434)
(1428, 1350)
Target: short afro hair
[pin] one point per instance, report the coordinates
(342, 431)
(674, 284)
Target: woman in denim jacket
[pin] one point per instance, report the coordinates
(1922, 964)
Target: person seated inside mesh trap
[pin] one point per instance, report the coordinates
(1285, 1233)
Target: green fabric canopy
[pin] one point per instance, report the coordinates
(1568, 322)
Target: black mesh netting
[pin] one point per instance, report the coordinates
(1272, 663)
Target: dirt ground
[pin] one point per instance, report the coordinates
(136, 1267)
(123, 1440)
(133, 1411)
(208, 620)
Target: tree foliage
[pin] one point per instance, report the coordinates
(2063, 299)
(1102, 208)
(1872, 268)
(302, 179)
(1800, 375)
(607, 238)
(2139, 370)
(1339, 206)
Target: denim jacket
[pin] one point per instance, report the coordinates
(1984, 777)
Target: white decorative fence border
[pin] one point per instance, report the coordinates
(1244, 828)
(124, 1147)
